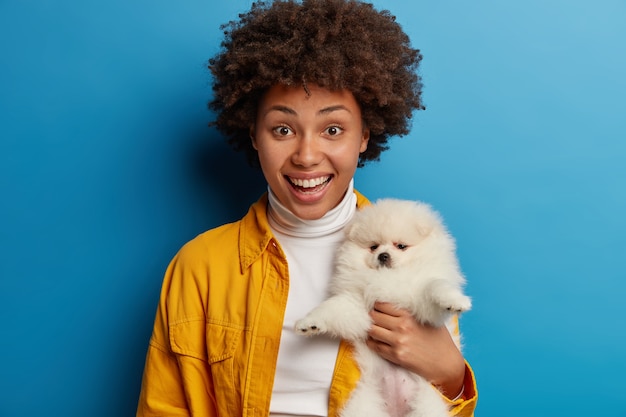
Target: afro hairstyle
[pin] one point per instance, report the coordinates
(335, 44)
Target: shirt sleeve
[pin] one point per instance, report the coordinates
(176, 381)
(464, 405)
(162, 388)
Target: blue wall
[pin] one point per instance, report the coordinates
(107, 167)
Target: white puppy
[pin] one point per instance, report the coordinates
(396, 251)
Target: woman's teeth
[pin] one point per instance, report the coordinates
(309, 183)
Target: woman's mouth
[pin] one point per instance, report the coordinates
(309, 185)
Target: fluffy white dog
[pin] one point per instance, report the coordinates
(400, 252)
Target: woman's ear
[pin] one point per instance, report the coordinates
(364, 140)
(253, 137)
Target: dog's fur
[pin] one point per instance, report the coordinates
(396, 251)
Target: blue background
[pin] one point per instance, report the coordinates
(107, 167)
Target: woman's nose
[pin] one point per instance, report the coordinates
(307, 151)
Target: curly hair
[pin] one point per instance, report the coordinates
(336, 44)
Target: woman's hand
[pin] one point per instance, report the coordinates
(425, 350)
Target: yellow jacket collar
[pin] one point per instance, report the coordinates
(255, 233)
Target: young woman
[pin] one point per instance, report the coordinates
(310, 91)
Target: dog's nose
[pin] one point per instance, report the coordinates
(384, 258)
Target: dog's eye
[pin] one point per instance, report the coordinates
(373, 247)
(401, 246)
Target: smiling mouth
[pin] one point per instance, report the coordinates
(309, 185)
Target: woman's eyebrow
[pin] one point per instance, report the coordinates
(331, 109)
(324, 111)
(282, 109)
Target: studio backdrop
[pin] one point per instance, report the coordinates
(108, 166)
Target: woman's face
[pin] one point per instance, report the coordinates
(308, 146)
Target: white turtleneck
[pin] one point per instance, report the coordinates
(305, 365)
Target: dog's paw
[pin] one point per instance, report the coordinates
(309, 327)
(458, 303)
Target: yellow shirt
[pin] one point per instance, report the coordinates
(217, 329)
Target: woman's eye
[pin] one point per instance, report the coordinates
(373, 247)
(282, 130)
(333, 130)
(401, 246)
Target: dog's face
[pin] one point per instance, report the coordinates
(387, 254)
(388, 234)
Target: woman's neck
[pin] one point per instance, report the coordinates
(284, 221)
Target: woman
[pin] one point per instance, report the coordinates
(310, 91)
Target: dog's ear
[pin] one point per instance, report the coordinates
(427, 221)
(423, 230)
(355, 228)
(348, 230)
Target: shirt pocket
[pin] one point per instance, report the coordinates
(199, 339)
(216, 345)
(227, 367)
(187, 338)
